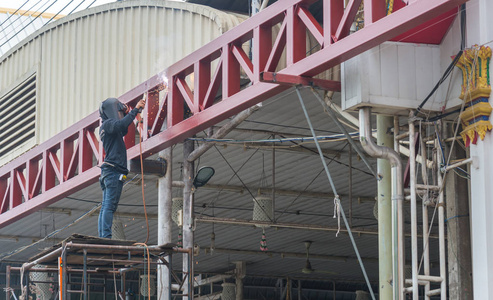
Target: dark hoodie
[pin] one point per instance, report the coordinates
(114, 128)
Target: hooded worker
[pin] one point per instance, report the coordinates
(116, 117)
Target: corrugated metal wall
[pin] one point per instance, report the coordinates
(105, 51)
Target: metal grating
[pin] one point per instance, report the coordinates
(18, 115)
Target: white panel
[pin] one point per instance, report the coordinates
(389, 70)
(406, 62)
(373, 63)
(400, 76)
(424, 78)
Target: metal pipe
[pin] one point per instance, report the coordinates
(165, 221)
(243, 222)
(425, 219)
(157, 248)
(7, 283)
(430, 278)
(63, 283)
(46, 257)
(433, 292)
(70, 270)
(427, 187)
(284, 254)
(84, 274)
(414, 218)
(441, 230)
(346, 133)
(221, 132)
(398, 198)
(350, 193)
(458, 164)
(187, 227)
(274, 183)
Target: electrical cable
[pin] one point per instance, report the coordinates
(13, 13)
(54, 16)
(20, 16)
(142, 175)
(76, 8)
(448, 71)
(29, 23)
(148, 268)
(244, 185)
(90, 4)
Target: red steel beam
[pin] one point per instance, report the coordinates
(64, 164)
(292, 80)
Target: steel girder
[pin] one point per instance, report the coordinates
(68, 162)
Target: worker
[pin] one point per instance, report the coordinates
(116, 117)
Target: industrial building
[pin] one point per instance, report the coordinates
(289, 149)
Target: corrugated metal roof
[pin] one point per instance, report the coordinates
(294, 171)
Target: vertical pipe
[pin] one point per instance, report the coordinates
(350, 196)
(414, 219)
(7, 283)
(441, 227)
(274, 183)
(122, 281)
(397, 198)
(165, 222)
(188, 174)
(190, 271)
(384, 203)
(64, 273)
(84, 273)
(397, 209)
(424, 205)
(170, 264)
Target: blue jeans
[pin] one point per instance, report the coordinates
(112, 188)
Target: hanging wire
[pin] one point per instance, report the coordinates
(227, 182)
(337, 201)
(244, 185)
(18, 17)
(28, 24)
(14, 13)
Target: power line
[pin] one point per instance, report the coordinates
(14, 13)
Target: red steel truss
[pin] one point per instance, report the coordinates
(68, 162)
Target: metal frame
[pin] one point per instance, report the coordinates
(66, 250)
(66, 163)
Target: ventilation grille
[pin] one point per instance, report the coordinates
(18, 115)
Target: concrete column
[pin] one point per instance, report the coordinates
(384, 209)
(164, 223)
(458, 231)
(480, 31)
(188, 240)
(481, 219)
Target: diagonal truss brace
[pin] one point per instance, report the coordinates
(68, 161)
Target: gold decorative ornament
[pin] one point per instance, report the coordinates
(475, 91)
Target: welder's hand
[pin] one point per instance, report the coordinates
(141, 104)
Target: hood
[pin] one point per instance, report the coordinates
(111, 108)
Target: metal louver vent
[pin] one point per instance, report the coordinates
(18, 115)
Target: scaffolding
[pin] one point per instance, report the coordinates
(94, 257)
